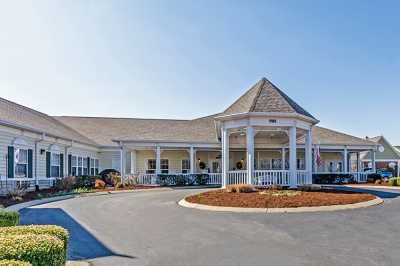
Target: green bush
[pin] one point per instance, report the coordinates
(52, 230)
(14, 263)
(39, 250)
(392, 182)
(397, 181)
(8, 218)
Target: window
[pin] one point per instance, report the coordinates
(74, 166)
(185, 166)
(94, 166)
(85, 165)
(151, 166)
(80, 164)
(21, 163)
(164, 166)
(339, 167)
(330, 167)
(300, 164)
(55, 165)
(276, 164)
(265, 164)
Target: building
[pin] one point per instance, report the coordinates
(264, 137)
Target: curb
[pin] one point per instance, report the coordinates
(203, 207)
(20, 206)
(373, 187)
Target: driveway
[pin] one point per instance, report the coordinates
(149, 228)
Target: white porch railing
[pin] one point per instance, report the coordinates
(147, 179)
(237, 177)
(303, 177)
(214, 179)
(271, 177)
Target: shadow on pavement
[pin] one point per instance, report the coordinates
(382, 193)
(82, 244)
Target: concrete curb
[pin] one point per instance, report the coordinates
(364, 204)
(373, 187)
(20, 206)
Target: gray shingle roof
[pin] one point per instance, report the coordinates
(104, 130)
(20, 115)
(264, 96)
(326, 136)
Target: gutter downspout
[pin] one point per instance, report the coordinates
(36, 159)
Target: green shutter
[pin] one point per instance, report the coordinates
(30, 163)
(10, 165)
(48, 168)
(88, 165)
(69, 164)
(61, 165)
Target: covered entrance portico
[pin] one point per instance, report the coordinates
(266, 131)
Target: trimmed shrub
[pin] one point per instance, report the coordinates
(67, 183)
(99, 184)
(52, 230)
(333, 178)
(182, 180)
(397, 181)
(378, 182)
(240, 188)
(373, 177)
(39, 250)
(14, 263)
(85, 181)
(8, 218)
(392, 182)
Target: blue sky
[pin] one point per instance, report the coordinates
(340, 60)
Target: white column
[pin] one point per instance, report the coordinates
(122, 162)
(133, 162)
(308, 155)
(66, 162)
(225, 156)
(158, 160)
(250, 153)
(293, 157)
(345, 160)
(192, 159)
(283, 159)
(373, 157)
(398, 168)
(358, 162)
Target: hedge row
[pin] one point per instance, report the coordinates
(41, 245)
(332, 178)
(182, 180)
(14, 263)
(39, 250)
(8, 218)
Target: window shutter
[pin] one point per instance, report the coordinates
(30, 163)
(61, 165)
(69, 164)
(48, 166)
(10, 165)
(88, 165)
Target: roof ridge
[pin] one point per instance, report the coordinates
(45, 116)
(122, 118)
(243, 95)
(253, 104)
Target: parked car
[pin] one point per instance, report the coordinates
(386, 174)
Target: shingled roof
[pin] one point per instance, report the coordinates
(264, 96)
(19, 115)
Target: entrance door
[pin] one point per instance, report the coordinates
(215, 167)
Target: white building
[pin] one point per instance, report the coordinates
(264, 137)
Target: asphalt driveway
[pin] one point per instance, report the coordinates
(149, 228)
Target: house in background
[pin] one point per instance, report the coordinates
(262, 138)
(387, 157)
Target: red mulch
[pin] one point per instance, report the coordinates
(6, 201)
(258, 200)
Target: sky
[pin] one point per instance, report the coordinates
(340, 60)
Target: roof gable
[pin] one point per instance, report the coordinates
(389, 153)
(264, 96)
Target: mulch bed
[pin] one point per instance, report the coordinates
(279, 198)
(6, 201)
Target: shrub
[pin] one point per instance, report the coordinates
(99, 184)
(392, 182)
(373, 177)
(14, 263)
(241, 188)
(332, 178)
(85, 181)
(378, 182)
(115, 180)
(8, 218)
(67, 183)
(17, 193)
(276, 187)
(52, 230)
(397, 181)
(38, 249)
(201, 179)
